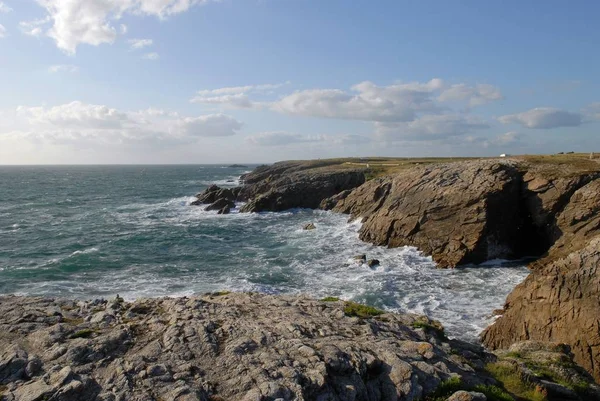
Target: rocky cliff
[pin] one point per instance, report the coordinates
(246, 347)
(287, 185)
(472, 211)
(560, 300)
(458, 213)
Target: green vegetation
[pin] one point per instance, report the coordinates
(362, 311)
(330, 299)
(454, 384)
(85, 333)
(493, 393)
(511, 380)
(545, 372)
(220, 293)
(436, 329)
(446, 389)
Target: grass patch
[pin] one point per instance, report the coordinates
(446, 389)
(580, 387)
(220, 293)
(363, 311)
(511, 380)
(330, 299)
(493, 393)
(85, 333)
(437, 330)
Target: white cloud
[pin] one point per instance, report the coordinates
(508, 138)
(281, 139)
(429, 127)
(477, 95)
(544, 118)
(76, 114)
(151, 56)
(123, 29)
(76, 22)
(235, 96)
(63, 68)
(139, 43)
(34, 27)
(79, 123)
(367, 102)
(210, 125)
(2, 31)
(350, 139)
(4, 8)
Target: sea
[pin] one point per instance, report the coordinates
(97, 231)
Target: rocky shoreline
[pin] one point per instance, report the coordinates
(256, 347)
(469, 212)
(229, 346)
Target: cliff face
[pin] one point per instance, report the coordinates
(458, 213)
(470, 212)
(560, 300)
(474, 211)
(287, 185)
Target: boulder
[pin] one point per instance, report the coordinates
(467, 396)
(309, 226)
(373, 263)
(213, 194)
(361, 258)
(225, 210)
(220, 204)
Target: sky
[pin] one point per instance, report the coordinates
(256, 81)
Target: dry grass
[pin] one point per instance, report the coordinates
(553, 166)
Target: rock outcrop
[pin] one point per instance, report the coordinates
(458, 213)
(238, 347)
(560, 299)
(251, 347)
(288, 185)
(470, 212)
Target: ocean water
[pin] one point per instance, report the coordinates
(97, 231)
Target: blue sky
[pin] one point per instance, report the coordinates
(204, 81)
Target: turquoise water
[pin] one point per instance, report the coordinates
(95, 231)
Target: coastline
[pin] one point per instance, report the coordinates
(240, 346)
(100, 345)
(472, 211)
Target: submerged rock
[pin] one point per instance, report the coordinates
(309, 226)
(373, 263)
